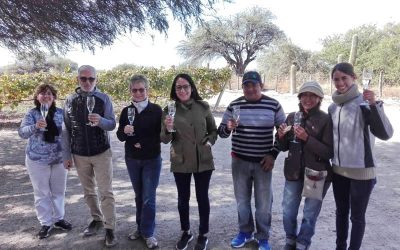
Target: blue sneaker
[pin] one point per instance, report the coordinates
(241, 239)
(263, 245)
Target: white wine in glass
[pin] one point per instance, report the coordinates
(366, 80)
(131, 117)
(44, 110)
(171, 112)
(235, 117)
(90, 102)
(298, 116)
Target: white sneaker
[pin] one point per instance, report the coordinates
(151, 242)
(134, 236)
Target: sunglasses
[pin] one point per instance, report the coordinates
(141, 90)
(84, 79)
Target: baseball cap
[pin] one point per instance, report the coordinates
(251, 76)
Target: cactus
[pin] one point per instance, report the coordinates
(353, 51)
(293, 70)
(340, 58)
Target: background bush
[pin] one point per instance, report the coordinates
(17, 88)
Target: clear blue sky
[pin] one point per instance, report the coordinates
(304, 22)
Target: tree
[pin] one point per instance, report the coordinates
(377, 49)
(237, 39)
(27, 26)
(39, 62)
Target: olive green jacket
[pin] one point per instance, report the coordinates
(195, 127)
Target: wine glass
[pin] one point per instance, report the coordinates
(90, 102)
(171, 112)
(235, 116)
(131, 117)
(44, 110)
(296, 123)
(366, 79)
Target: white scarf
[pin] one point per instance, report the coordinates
(140, 106)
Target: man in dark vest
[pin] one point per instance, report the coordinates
(87, 145)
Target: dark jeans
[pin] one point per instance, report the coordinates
(144, 175)
(202, 182)
(351, 195)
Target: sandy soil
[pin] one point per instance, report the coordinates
(19, 226)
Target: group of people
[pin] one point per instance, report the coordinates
(323, 148)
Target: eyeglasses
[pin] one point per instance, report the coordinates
(141, 90)
(84, 79)
(180, 87)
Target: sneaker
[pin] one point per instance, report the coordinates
(44, 232)
(241, 239)
(184, 241)
(63, 225)
(201, 243)
(110, 240)
(151, 242)
(263, 245)
(92, 228)
(289, 247)
(134, 236)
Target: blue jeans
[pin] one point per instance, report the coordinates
(245, 174)
(144, 175)
(202, 183)
(351, 195)
(290, 204)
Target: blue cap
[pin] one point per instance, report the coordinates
(251, 76)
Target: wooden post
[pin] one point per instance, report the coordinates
(293, 70)
(220, 95)
(380, 84)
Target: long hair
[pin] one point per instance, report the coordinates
(194, 95)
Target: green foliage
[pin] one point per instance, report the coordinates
(378, 49)
(28, 26)
(16, 88)
(277, 60)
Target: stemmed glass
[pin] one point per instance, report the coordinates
(366, 79)
(235, 116)
(171, 112)
(296, 123)
(90, 102)
(131, 117)
(44, 110)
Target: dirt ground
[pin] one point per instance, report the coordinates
(19, 226)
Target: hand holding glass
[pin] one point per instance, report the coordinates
(44, 110)
(171, 113)
(235, 117)
(366, 79)
(90, 102)
(131, 117)
(298, 116)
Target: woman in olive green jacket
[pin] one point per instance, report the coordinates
(194, 132)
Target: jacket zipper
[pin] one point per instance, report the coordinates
(338, 129)
(86, 127)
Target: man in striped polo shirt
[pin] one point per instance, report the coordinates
(252, 119)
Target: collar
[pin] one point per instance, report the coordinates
(140, 106)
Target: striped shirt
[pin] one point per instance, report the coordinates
(254, 136)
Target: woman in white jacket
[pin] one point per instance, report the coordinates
(354, 130)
